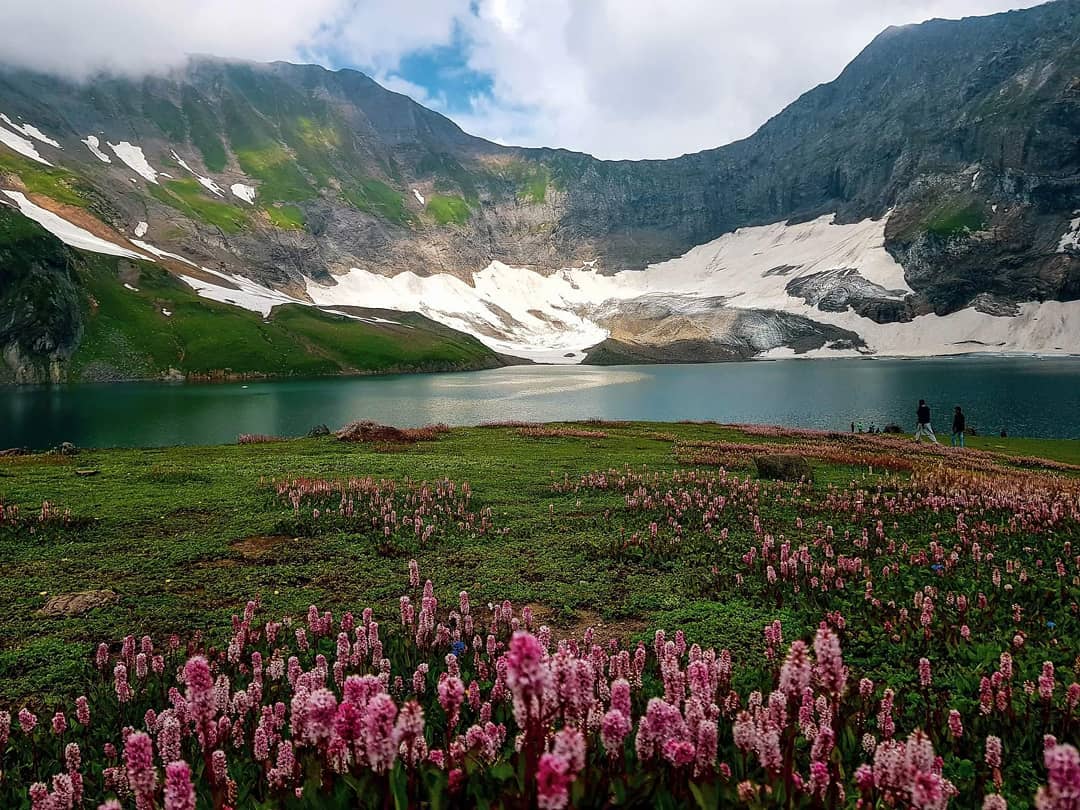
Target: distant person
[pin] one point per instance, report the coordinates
(959, 425)
(922, 423)
(1004, 433)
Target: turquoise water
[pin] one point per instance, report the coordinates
(1026, 396)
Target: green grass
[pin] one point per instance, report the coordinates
(281, 179)
(954, 220)
(288, 217)
(376, 197)
(128, 336)
(56, 183)
(205, 131)
(168, 117)
(164, 524)
(448, 210)
(532, 180)
(188, 196)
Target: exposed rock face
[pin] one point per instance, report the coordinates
(40, 320)
(962, 133)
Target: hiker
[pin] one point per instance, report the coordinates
(922, 423)
(959, 425)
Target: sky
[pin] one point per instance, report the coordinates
(615, 78)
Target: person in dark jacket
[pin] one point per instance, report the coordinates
(959, 425)
(922, 423)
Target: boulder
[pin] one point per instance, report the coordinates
(318, 430)
(77, 603)
(783, 467)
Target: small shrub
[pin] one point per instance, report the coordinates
(783, 467)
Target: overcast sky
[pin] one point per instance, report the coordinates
(617, 78)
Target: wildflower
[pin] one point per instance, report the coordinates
(82, 711)
(994, 801)
(378, 732)
(27, 720)
(200, 690)
(1063, 771)
(796, 671)
(830, 665)
(956, 726)
(220, 766)
(925, 678)
(139, 765)
(179, 791)
(613, 730)
(552, 783)
(319, 713)
(59, 723)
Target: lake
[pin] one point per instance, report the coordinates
(1027, 396)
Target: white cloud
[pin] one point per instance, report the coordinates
(656, 78)
(618, 78)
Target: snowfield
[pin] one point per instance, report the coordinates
(1071, 237)
(24, 146)
(244, 192)
(68, 232)
(93, 144)
(206, 182)
(133, 157)
(30, 131)
(709, 294)
(554, 318)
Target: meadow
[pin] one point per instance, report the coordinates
(585, 615)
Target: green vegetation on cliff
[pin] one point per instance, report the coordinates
(97, 317)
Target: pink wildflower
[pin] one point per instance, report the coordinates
(179, 791)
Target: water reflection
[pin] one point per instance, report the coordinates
(1024, 395)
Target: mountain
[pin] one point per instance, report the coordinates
(927, 201)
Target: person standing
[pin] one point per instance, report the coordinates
(959, 425)
(922, 423)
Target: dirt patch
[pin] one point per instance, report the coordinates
(259, 545)
(374, 433)
(85, 220)
(78, 603)
(223, 562)
(604, 630)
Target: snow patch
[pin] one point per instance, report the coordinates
(244, 192)
(250, 295)
(206, 182)
(419, 196)
(129, 287)
(68, 232)
(164, 254)
(545, 317)
(522, 312)
(166, 313)
(30, 131)
(141, 229)
(21, 145)
(134, 158)
(1071, 237)
(93, 144)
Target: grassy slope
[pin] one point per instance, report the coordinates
(128, 332)
(165, 521)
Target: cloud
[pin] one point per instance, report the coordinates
(75, 38)
(656, 78)
(618, 78)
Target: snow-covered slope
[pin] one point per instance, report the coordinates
(763, 289)
(817, 270)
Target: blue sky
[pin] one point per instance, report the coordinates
(617, 78)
